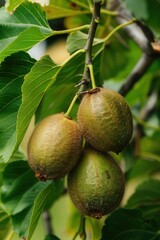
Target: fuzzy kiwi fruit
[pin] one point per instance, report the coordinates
(96, 184)
(105, 120)
(54, 147)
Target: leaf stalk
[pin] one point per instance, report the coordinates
(118, 28)
(58, 32)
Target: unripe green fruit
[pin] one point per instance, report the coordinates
(105, 120)
(54, 147)
(96, 184)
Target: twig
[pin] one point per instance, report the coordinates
(89, 43)
(144, 38)
(144, 114)
(139, 70)
(47, 220)
(88, 68)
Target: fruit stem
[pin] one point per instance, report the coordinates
(72, 104)
(90, 66)
(81, 230)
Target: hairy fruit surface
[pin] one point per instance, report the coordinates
(105, 120)
(96, 184)
(54, 147)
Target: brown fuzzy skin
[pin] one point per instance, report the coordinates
(105, 120)
(96, 184)
(54, 147)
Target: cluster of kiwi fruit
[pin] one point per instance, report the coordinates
(60, 146)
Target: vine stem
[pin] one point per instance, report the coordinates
(88, 69)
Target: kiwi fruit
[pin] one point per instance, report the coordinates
(105, 120)
(54, 147)
(96, 184)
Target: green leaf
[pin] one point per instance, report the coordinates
(139, 93)
(4, 223)
(150, 145)
(57, 99)
(128, 224)
(12, 4)
(18, 191)
(51, 237)
(59, 9)
(143, 168)
(54, 190)
(146, 10)
(113, 65)
(59, 96)
(12, 72)
(138, 8)
(147, 197)
(77, 40)
(16, 175)
(20, 33)
(37, 82)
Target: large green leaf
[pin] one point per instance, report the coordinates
(12, 72)
(59, 96)
(18, 32)
(77, 40)
(18, 191)
(12, 4)
(37, 81)
(139, 9)
(143, 168)
(150, 146)
(56, 99)
(118, 59)
(34, 87)
(128, 224)
(53, 190)
(146, 197)
(58, 9)
(21, 190)
(18, 178)
(4, 223)
(146, 10)
(139, 93)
